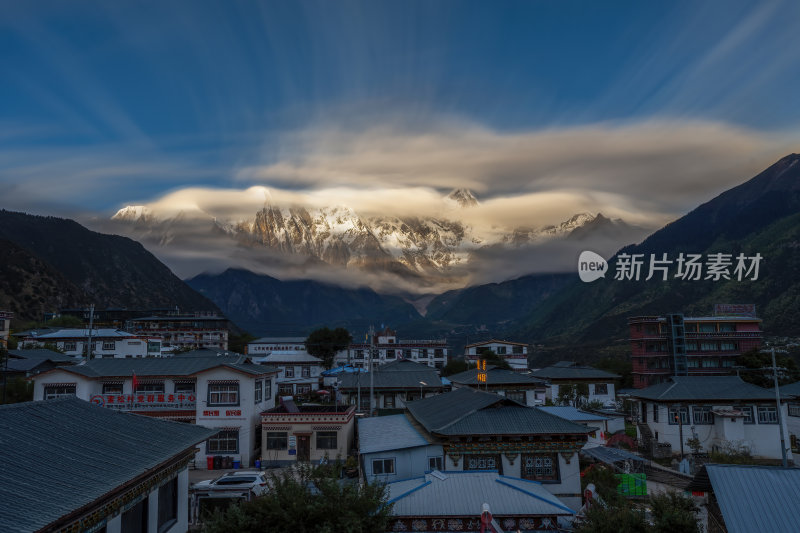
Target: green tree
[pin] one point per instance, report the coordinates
(238, 343)
(493, 359)
(613, 519)
(574, 394)
(674, 513)
(758, 368)
(454, 366)
(325, 342)
(304, 500)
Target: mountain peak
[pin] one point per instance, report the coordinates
(132, 212)
(463, 197)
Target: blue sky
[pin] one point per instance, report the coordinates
(111, 103)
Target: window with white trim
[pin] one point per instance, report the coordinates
(223, 394)
(673, 415)
(58, 391)
(540, 467)
(288, 372)
(435, 463)
(305, 372)
(267, 389)
(112, 388)
(702, 415)
(382, 466)
(748, 414)
(185, 387)
(70, 346)
(259, 391)
(794, 409)
(109, 345)
(516, 395)
(767, 414)
(601, 388)
(152, 386)
(226, 441)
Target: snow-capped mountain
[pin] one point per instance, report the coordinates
(421, 248)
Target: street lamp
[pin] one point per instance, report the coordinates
(421, 383)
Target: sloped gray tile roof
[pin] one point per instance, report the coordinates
(792, 389)
(495, 376)
(571, 413)
(60, 455)
(695, 388)
(464, 493)
(404, 365)
(24, 365)
(164, 366)
(467, 411)
(754, 498)
(43, 354)
(394, 432)
(573, 372)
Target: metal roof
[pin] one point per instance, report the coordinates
(395, 375)
(572, 413)
(279, 358)
(612, 455)
(163, 366)
(60, 455)
(754, 498)
(80, 333)
(382, 433)
(568, 370)
(696, 388)
(467, 411)
(460, 493)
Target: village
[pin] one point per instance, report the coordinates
(156, 423)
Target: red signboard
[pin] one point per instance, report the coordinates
(748, 310)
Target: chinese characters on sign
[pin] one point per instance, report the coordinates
(229, 412)
(688, 267)
(482, 370)
(145, 401)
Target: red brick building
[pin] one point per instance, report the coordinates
(663, 346)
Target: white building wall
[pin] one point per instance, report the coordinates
(763, 440)
(245, 416)
(608, 397)
(409, 462)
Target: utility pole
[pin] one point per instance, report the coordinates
(89, 344)
(371, 373)
(778, 404)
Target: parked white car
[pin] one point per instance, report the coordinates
(225, 490)
(242, 482)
